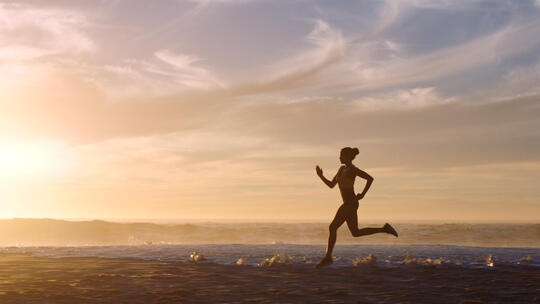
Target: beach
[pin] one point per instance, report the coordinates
(30, 279)
(50, 261)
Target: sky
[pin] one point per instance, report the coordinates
(221, 109)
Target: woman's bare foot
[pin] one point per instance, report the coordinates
(324, 262)
(390, 230)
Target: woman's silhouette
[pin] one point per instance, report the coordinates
(347, 212)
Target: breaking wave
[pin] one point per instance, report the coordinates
(285, 255)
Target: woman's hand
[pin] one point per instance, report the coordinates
(319, 170)
(360, 196)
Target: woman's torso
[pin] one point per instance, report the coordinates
(345, 180)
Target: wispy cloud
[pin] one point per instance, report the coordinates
(510, 41)
(416, 97)
(185, 70)
(53, 30)
(329, 47)
(30, 39)
(203, 4)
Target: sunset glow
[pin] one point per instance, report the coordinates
(30, 159)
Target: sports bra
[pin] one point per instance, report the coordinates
(346, 178)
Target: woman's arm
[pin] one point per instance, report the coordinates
(369, 180)
(331, 183)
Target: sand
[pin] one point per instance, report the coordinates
(28, 279)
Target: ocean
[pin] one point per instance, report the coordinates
(265, 244)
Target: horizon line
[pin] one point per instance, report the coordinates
(273, 220)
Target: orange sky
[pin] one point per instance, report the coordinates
(222, 109)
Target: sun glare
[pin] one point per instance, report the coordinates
(30, 158)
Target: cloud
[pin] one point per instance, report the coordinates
(18, 53)
(173, 92)
(442, 134)
(521, 80)
(185, 71)
(203, 4)
(166, 73)
(388, 15)
(53, 30)
(209, 2)
(297, 71)
(75, 109)
(505, 43)
(412, 128)
(32, 39)
(174, 72)
(416, 97)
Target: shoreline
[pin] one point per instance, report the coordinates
(30, 279)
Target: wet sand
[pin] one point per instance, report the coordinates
(28, 279)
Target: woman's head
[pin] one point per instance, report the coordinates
(348, 154)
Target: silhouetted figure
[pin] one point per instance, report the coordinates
(347, 212)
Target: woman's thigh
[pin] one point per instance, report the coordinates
(345, 213)
(340, 217)
(352, 222)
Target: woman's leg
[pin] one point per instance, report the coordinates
(340, 217)
(352, 223)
